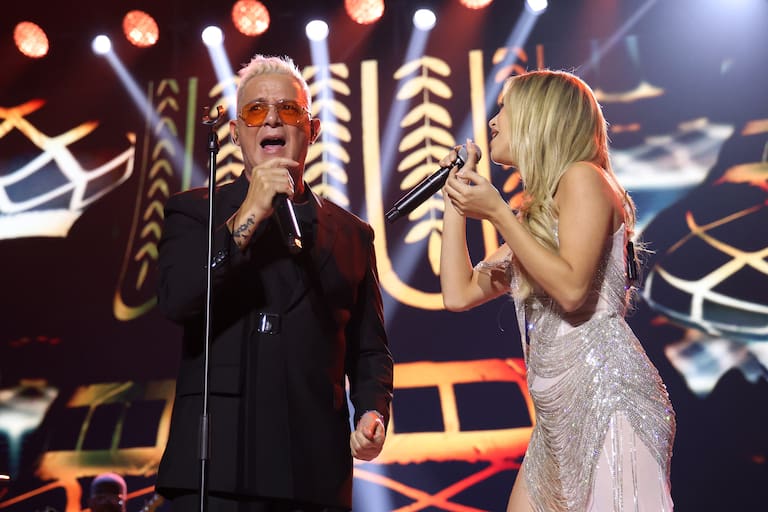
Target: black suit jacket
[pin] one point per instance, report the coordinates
(279, 419)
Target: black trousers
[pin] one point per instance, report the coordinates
(220, 503)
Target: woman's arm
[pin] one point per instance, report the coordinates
(462, 286)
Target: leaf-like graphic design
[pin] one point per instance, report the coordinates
(167, 102)
(407, 68)
(336, 86)
(427, 110)
(167, 123)
(333, 150)
(416, 85)
(159, 185)
(419, 135)
(422, 229)
(338, 131)
(142, 275)
(326, 190)
(233, 168)
(222, 86)
(433, 203)
(422, 155)
(433, 249)
(163, 145)
(161, 165)
(155, 207)
(173, 85)
(339, 110)
(152, 228)
(223, 131)
(331, 169)
(436, 65)
(227, 151)
(148, 249)
(225, 174)
(338, 69)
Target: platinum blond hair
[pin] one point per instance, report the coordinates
(554, 121)
(267, 65)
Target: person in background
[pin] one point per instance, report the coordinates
(108, 493)
(289, 327)
(604, 426)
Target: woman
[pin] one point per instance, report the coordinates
(604, 426)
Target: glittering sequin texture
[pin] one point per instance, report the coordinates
(598, 401)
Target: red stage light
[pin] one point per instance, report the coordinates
(30, 39)
(476, 4)
(140, 29)
(364, 12)
(250, 17)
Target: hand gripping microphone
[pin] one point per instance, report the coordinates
(286, 221)
(427, 188)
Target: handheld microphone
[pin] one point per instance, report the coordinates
(285, 217)
(427, 188)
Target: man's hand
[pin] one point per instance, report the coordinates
(367, 440)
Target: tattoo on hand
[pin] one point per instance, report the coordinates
(242, 233)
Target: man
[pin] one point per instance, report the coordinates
(286, 327)
(108, 493)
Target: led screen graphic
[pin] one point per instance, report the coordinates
(92, 146)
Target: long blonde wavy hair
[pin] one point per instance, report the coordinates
(554, 121)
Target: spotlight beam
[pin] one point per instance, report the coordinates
(598, 53)
(224, 73)
(145, 107)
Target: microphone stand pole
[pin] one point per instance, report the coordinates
(204, 432)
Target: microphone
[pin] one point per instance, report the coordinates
(427, 188)
(286, 220)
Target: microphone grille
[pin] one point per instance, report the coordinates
(464, 154)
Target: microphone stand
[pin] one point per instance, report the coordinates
(204, 432)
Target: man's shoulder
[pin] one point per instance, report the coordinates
(342, 215)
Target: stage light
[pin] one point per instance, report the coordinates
(212, 36)
(317, 30)
(140, 29)
(30, 39)
(250, 17)
(424, 19)
(476, 4)
(536, 5)
(364, 11)
(101, 45)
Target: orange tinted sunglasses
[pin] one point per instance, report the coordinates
(290, 112)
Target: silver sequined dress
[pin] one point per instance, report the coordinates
(604, 427)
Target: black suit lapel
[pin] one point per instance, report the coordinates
(311, 262)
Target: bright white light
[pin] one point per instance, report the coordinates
(536, 5)
(101, 44)
(317, 30)
(424, 19)
(212, 36)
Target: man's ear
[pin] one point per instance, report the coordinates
(234, 133)
(314, 129)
